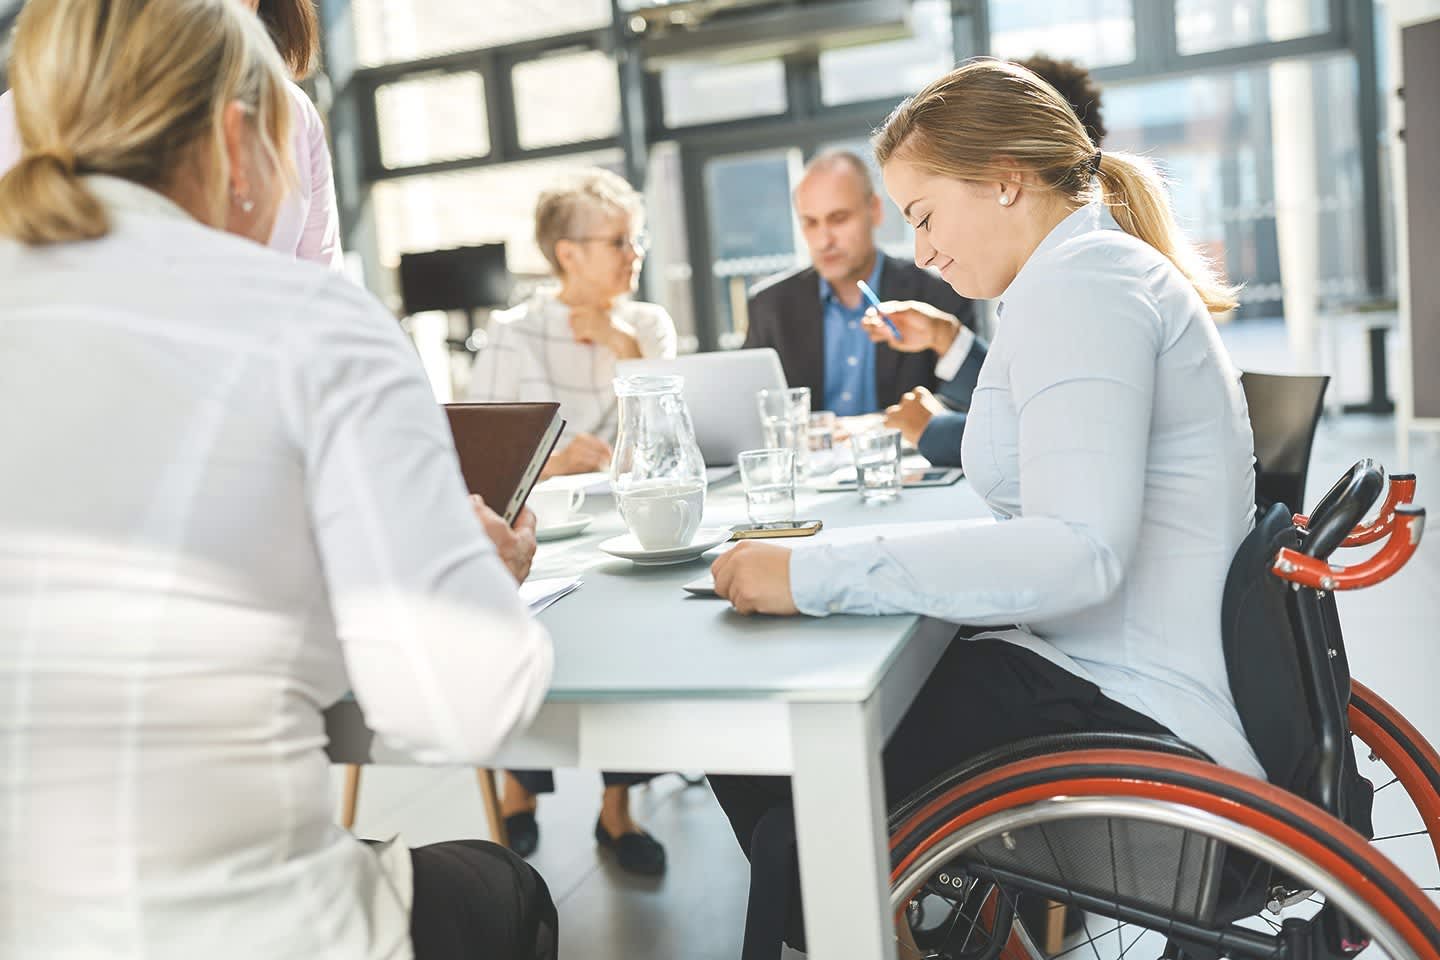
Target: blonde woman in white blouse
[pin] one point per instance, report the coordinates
(563, 342)
(229, 498)
(308, 224)
(1107, 433)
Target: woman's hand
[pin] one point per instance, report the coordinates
(601, 326)
(922, 326)
(755, 578)
(913, 414)
(587, 453)
(516, 545)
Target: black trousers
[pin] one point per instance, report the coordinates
(981, 695)
(543, 781)
(477, 899)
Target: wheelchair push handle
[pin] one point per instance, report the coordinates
(1406, 528)
(1402, 491)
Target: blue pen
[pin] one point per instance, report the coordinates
(875, 302)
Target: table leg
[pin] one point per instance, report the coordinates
(840, 831)
(1379, 401)
(490, 796)
(351, 797)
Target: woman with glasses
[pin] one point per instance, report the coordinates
(562, 344)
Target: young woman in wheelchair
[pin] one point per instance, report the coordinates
(1108, 435)
(1079, 742)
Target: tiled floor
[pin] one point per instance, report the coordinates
(697, 910)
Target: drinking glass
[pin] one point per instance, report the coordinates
(769, 479)
(785, 415)
(877, 465)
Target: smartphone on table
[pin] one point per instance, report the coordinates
(778, 528)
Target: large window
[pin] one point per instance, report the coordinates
(1253, 149)
(1203, 25)
(1215, 135)
(567, 98)
(707, 93)
(1097, 33)
(752, 229)
(895, 69)
(387, 31)
(432, 118)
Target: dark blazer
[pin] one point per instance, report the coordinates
(786, 314)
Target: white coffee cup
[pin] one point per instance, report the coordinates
(555, 504)
(663, 515)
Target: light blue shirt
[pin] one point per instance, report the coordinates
(849, 352)
(1109, 437)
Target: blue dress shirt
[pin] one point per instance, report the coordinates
(849, 354)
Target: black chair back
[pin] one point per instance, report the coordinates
(463, 280)
(1284, 412)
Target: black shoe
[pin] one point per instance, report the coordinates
(635, 852)
(524, 833)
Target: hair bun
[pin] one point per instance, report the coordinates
(59, 156)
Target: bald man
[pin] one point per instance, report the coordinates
(813, 316)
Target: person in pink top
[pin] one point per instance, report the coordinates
(308, 224)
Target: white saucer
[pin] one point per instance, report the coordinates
(559, 531)
(628, 548)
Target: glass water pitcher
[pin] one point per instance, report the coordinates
(657, 473)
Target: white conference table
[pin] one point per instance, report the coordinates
(648, 678)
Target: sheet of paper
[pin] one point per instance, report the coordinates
(702, 586)
(539, 594)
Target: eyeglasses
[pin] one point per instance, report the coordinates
(640, 243)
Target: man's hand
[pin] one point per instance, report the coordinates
(601, 326)
(755, 578)
(913, 414)
(587, 453)
(516, 545)
(922, 326)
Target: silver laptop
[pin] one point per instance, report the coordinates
(720, 391)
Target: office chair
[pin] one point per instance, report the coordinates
(1284, 412)
(463, 280)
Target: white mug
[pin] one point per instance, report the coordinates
(555, 504)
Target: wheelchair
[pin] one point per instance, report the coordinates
(1108, 845)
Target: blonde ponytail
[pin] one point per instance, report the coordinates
(142, 97)
(973, 120)
(1133, 190)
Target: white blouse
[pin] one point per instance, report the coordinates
(1110, 438)
(532, 355)
(229, 497)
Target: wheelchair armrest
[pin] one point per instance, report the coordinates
(1405, 533)
(1402, 491)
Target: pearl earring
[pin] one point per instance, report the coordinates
(245, 204)
(1004, 199)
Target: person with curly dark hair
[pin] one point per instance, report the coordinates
(1074, 83)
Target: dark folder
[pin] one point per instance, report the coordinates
(502, 448)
